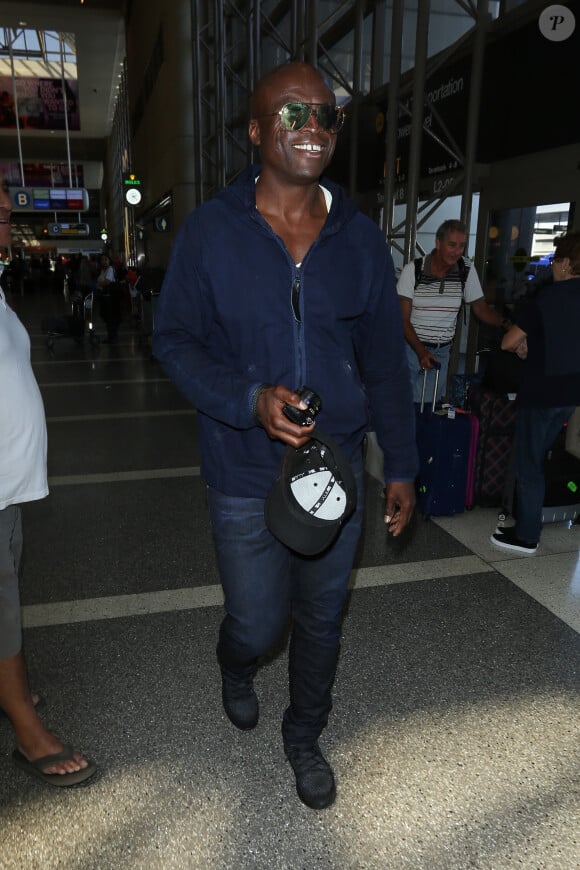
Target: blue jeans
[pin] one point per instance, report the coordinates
(442, 355)
(536, 430)
(265, 586)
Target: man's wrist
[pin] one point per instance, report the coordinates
(261, 388)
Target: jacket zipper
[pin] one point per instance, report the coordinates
(295, 295)
(295, 305)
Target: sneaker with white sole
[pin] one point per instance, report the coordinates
(508, 540)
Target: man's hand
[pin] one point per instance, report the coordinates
(427, 360)
(270, 414)
(399, 505)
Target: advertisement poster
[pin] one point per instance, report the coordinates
(41, 104)
(43, 174)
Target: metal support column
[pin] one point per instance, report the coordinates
(421, 44)
(357, 85)
(294, 28)
(473, 108)
(312, 32)
(8, 38)
(392, 116)
(253, 71)
(220, 92)
(301, 30)
(65, 111)
(197, 87)
(379, 54)
(472, 131)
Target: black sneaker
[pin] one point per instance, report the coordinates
(508, 540)
(314, 777)
(240, 702)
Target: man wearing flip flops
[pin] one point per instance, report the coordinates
(23, 478)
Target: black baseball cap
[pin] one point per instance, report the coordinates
(313, 496)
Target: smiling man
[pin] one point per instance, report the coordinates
(278, 282)
(430, 293)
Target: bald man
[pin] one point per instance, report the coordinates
(277, 282)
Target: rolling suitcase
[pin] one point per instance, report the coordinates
(497, 417)
(446, 446)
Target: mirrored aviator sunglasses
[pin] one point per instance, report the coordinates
(295, 116)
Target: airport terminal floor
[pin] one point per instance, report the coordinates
(455, 734)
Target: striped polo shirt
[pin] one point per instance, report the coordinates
(436, 301)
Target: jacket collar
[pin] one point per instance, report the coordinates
(243, 189)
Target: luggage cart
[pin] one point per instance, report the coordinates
(148, 304)
(76, 325)
(88, 309)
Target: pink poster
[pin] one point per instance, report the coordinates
(41, 104)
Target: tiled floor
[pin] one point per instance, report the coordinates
(551, 575)
(455, 731)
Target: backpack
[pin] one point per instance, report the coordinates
(462, 268)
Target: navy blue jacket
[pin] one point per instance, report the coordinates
(224, 323)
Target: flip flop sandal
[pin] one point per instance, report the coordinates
(35, 768)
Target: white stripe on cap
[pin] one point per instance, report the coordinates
(319, 494)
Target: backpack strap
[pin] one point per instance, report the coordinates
(463, 269)
(418, 270)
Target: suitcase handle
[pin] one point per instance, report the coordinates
(437, 367)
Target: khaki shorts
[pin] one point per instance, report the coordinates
(10, 553)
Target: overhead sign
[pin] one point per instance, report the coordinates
(437, 185)
(49, 199)
(507, 127)
(68, 229)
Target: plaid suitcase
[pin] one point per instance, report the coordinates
(497, 416)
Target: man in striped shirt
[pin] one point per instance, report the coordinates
(430, 296)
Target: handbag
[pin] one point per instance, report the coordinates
(573, 434)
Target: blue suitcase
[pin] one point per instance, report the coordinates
(446, 449)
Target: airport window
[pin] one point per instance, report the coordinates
(37, 52)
